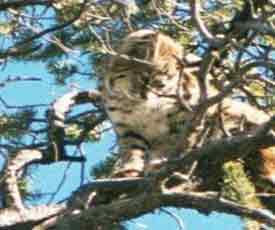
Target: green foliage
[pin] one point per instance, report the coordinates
(104, 168)
(6, 28)
(24, 187)
(88, 127)
(67, 9)
(62, 69)
(15, 125)
(75, 132)
(238, 187)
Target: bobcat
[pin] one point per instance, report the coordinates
(148, 92)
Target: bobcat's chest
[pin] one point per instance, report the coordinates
(147, 114)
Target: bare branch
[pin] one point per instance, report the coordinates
(130, 208)
(175, 217)
(57, 115)
(15, 212)
(210, 38)
(117, 183)
(11, 79)
(24, 3)
(16, 47)
(8, 106)
(257, 26)
(228, 148)
(11, 218)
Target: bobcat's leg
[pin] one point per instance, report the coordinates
(132, 149)
(130, 164)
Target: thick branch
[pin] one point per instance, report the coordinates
(116, 184)
(257, 26)
(134, 207)
(126, 209)
(57, 115)
(12, 198)
(16, 213)
(12, 219)
(23, 3)
(228, 148)
(195, 10)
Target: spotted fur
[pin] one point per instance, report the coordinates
(146, 93)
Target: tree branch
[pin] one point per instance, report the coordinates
(228, 148)
(12, 197)
(210, 38)
(130, 208)
(24, 3)
(15, 213)
(52, 29)
(57, 115)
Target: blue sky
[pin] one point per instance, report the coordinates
(47, 178)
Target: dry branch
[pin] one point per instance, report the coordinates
(130, 208)
(56, 119)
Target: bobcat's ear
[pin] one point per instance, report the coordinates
(267, 166)
(137, 45)
(167, 54)
(166, 46)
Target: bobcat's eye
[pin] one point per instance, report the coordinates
(138, 52)
(157, 84)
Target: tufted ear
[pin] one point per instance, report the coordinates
(138, 45)
(267, 165)
(167, 54)
(161, 50)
